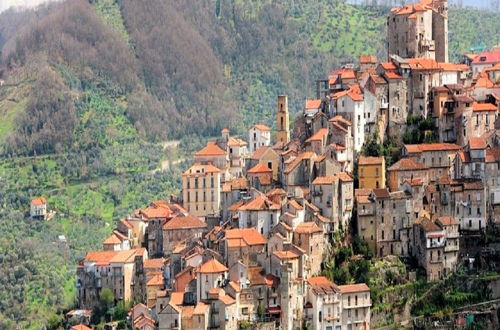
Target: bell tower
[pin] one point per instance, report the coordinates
(283, 121)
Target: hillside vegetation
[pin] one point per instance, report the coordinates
(93, 88)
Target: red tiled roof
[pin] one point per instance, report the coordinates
(477, 143)
(243, 237)
(260, 168)
(320, 135)
(423, 64)
(428, 225)
(407, 164)
(339, 118)
(448, 221)
(309, 227)
(39, 201)
(261, 127)
(285, 255)
(368, 59)
(418, 148)
(321, 285)
(184, 222)
(388, 66)
(313, 104)
(370, 160)
(156, 280)
(483, 107)
(260, 152)
(352, 288)
(211, 149)
(99, 256)
(452, 67)
(80, 327)
(392, 75)
(260, 203)
(156, 263)
(493, 155)
(490, 57)
(112, 239)
(346, 177)
(212, 266)
(322, 180)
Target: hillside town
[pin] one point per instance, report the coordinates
(258, 216)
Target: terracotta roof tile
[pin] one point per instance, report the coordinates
(283, 255)
(370, 160)
(339, 118)
(313, 104)
(372, 59)
(156, 263)
(447, 221)
(211, 149)
(309, 227)
(483, 107)
(407, 164)
(80, 327)
(260, 203)
(320, 135)
(477, 143)
(321, 285)
(244, 237)
(260, 152)
(184, 222)
(489, 57)
(493, 155)
(156, 280)
(260, 168)
(39, 201)
(261, 127)
(200, 170)
(212, 266)
(352, 288)
(418, 148)
(322, 180)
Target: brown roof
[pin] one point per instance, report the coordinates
(156, 263)
(321, 285)
(201, 169)
(322, 180)
(99, 256)
(447, 221)
(352, 288)
(341, 119)
(156, 280)
(184, 222)
(407, 164)
(381, 193)
(227, 300)
(211, 149)
(493, 155)
(125, 256)
(201, 308)
(429, 225)
(285, 255)
(298, 160)
(309, 227)
(368, 59)
(296, 205)
(370, 160)
(212, 266)
(346, 177)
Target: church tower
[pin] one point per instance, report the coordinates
(283, 121)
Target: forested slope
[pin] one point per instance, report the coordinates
(93, 87)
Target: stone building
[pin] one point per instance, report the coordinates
(371, 172)
(258, 136)
(419, 30)
(179, 229)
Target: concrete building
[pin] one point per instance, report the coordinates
(38, 208)
(201, 190)
(371, 172)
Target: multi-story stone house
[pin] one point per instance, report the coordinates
(376, 91)
(492, 173)
(350, 105)
(367, 63)
(341, 147)
(107, 269)
(260, 177)
(469, 202)
(449, 106)
(481, 119)
(419, 30)
(356, 303)
(371, 172)
(471, 162)
(366, 212)
(181, 228)
(116, 242)
(451, 246)
(485, 60)
(260, 213)
(310, 238)
(245, 245)
(231, 192)
(201, 190)
(258, 136)
(299, 171)
(429, 241)
(438, 157)
(317, 142)
(209, 276)
(268, 157)
(406, 169)
(38, 208)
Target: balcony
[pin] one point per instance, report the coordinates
(366, 212)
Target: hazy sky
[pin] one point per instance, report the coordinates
(6, 4)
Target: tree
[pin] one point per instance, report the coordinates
(106, 298)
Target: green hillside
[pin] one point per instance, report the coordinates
(93, 89)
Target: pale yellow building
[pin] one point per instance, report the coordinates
(201, 190)
(371, 172)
